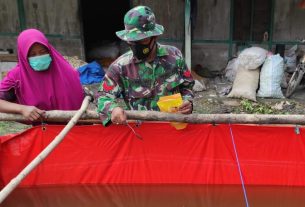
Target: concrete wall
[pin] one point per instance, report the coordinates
(289, 21)
(53, 17)
(212, 23)
(169, 13)
(213, 20)
(58, 19)
(9, 23)
(9, 20)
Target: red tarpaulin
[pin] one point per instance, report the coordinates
(199, 154)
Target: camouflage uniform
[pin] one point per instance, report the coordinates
(141, 83)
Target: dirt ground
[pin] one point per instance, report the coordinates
(214, 101)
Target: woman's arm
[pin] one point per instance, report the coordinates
(29, 112)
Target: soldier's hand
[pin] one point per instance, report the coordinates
(118, 116)
(32, 113)
(186, 108)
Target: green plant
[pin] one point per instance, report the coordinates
(255, 108)
(11, 127)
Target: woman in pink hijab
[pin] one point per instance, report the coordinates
(42, 80)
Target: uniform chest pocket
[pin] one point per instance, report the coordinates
(138, 88)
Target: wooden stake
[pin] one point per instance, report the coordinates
(15, 181)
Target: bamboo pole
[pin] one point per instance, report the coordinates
(15, 181)
(93, 117)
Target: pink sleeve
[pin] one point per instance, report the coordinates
(8, 86)
(9, 81)
(8, 95)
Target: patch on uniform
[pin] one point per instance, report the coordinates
(187, 73)
(107, 87)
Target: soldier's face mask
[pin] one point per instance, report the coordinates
(142, 51)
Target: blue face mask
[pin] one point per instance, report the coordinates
(40, 63)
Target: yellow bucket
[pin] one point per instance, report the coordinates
(171, 104)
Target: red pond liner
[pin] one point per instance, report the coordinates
(199, 154)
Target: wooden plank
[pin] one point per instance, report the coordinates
(213, 20)
(64, 116)
(8, 58)
(187, 34)
(55, 17)
(9, 21)
(288, 21)
(169, 13)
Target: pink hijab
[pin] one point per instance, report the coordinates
(57, 88)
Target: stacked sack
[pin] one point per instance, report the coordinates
(271, 77)
(249, 77)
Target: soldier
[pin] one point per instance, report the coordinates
(145, 73)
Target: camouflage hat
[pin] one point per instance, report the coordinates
(139, 24)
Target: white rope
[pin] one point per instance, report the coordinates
(239, 168)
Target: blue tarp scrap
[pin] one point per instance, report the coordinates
(91, 73)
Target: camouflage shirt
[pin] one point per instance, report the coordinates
(141, 83)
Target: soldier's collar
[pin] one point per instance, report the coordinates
(161, 50)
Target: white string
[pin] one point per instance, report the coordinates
(239, 168)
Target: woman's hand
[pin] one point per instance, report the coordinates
(32, 113)
(118, 116)
(186, 108)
